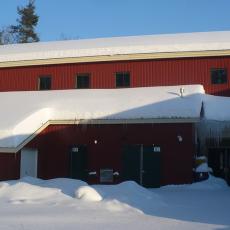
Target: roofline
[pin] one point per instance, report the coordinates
(98, 121)
(116, 57)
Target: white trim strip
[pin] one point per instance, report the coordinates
(117, 57)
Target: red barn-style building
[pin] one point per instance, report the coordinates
(55, 146)
(101, 136)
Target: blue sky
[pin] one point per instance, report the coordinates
(106, 18)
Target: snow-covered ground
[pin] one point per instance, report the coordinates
(70, 204)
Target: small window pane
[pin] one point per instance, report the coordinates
(219, 76)
(83, 82)
(122, 80)
(44, 83)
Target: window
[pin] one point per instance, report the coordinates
(44, 83)
(219, 76)
(83, 81)
(122, 79)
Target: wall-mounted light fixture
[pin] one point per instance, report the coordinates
(179, 138)
(95, 142)
(74, 149)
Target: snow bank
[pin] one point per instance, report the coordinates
(129, 192)
(34, 190)
(116, 198)
(87, 193)
(35, 199)
(22, 192)
(212, 183)
(186, 208)
(66, 185)
(124, 196)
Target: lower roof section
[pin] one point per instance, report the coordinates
(24, 114)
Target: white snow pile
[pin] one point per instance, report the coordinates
(212, 183)
(37, 204)
(115, 197)
(24, 192)
(164, 43)
(66, 185)
(202, 167)
(34, 190)
(131, 193)
(87, 193)
(88, 105)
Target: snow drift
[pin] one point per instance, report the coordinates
(125, 196)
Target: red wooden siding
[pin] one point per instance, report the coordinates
(9, 166)
(143, 73)
(54, 144)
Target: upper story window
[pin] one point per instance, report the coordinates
(122, 79)
(44, 83)
(83, 81)
(219, 76)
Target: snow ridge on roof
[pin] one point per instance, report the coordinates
(165, 43)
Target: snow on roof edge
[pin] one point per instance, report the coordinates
(163, 43)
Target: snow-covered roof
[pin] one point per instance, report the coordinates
(216, 108)
(22, 113)
(166, 43)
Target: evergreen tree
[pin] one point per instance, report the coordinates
(7, 36)
(1, 37)
(25, 30)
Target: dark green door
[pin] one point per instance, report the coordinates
(131, 163)
(151, 166)
(142, 164)
(78, 162)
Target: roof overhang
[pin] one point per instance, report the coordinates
(97, 121)
(116, 57)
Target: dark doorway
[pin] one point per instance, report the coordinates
(151, 166)
(219, 161)
(78, 162)
(131, 163)
(142, 164)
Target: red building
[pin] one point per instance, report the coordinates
(142, 61)
(51, 146)
(101, 136)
